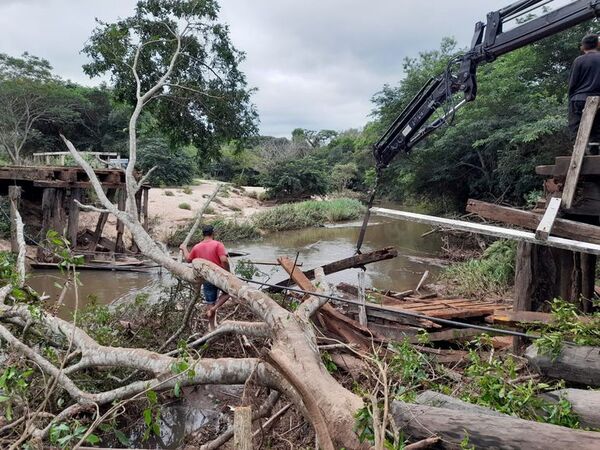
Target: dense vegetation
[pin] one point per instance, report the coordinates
(206, 104)
(489, 152)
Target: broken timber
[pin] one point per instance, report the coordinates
(530, 220)
(581, 143)
(350, 330)
(344, 264)
(490, 230)
(545, 227)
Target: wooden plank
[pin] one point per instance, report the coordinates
(545, 227)
(347, 263)
(589, 166)
(583, 137)
(73, 221)
(362, 310)
(352, 331)
(121, 197)
(530, 220)
(490, 230)
(513, 318)
(242, 428)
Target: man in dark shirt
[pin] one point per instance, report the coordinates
(584, 82)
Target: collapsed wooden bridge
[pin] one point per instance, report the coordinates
(48, 200)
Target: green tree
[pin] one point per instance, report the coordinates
(490, 151)
(205, 99)
(296, 179)
(172, 167)
(30, 95)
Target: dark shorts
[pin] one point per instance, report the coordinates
(211, 293)
(575, 113)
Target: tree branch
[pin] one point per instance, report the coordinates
(310, 306)
(254, 329)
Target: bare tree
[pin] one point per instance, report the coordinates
(292, 364)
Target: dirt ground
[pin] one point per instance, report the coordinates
(165, 213)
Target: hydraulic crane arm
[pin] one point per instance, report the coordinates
(489, 42)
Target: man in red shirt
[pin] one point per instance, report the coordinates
(214, 251)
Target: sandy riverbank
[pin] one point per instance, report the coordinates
(166, 215)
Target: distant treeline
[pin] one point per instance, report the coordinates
(489, 152)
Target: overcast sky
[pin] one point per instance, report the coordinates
(316, 63)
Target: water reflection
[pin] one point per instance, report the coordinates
(318, 246)
(315, 247)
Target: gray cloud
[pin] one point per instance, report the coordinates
(316, 64)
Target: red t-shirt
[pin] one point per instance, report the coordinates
(209, 250)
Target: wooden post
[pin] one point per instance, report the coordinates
(524, 285)
(14, 196)
(242, 428)
(583, 137)
(48, 199)
(145, 207)
(73, 223)
(362, 310)
(110, 193)
(588, 281)
(119, 247)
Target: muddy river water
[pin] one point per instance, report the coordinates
(315, 247)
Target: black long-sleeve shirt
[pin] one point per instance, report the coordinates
(585, 76)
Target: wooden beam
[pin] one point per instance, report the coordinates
(336, 322)
(344, 264)
(490, 230)
(121, 196)
(589, 166)
(145, 207)
(545, 227)
(110, 193)
(527, 219)
(73, 221)
(581, 143)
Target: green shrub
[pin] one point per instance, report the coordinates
(307, 214)
(492, 274)
(4, 218)
(185, 205)
(187, 190)
(173, 166)
(169, 193)
(296, 179)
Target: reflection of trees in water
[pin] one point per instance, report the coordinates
(318, 246)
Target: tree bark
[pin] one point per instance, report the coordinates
(575, 364)
(585, 403)
(487, 432)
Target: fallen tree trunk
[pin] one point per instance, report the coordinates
(576, 364)
(439, 400)
(585, 403)
(344, 264)
(487, 432)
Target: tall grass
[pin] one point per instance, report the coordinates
(311, 213)
(226, 230)
(492, 274)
